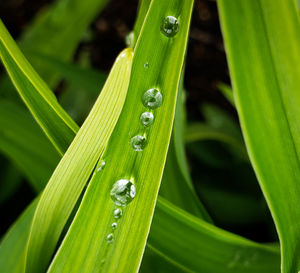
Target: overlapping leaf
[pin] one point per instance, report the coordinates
(73, 171)
(93, 221)
(36, 94)
(264, 55)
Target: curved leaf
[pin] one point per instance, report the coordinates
(264, 55)
(73, 171)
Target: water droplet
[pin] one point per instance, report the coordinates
(129, 39)
(152, 98)
(146, 118)
(114, 225)
(138, 143)
(101, 165)
(146, 65)
(110, 238)
(170, 26)
(118, 213)
(122, 192)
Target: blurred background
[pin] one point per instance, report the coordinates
(219, 166)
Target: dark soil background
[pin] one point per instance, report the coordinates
(205, 67)
(206, 61)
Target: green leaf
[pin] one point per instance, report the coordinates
(217, 250)
(57, 31)
(73, 171)
(176, 184)
(12, 248)
(89, 79)
(165, 57)
(263, 53)
(36, 94)
(23, 142)
(202, 247)
(200, 131)
(227, 92)
(142, 12)
(10, 179)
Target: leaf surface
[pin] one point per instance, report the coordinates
(72, 173)
(264, 55)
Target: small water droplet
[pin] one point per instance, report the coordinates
(170, 26)
(138, 143)
(118, 213)
(122, 192)
(129, 39)
(102, 261)
(110, 238)
(101, 165)
(147, 118)
(146, 65)
(114, 225)
(152, 98)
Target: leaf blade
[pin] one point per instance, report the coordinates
(267, 102)
(71, 175)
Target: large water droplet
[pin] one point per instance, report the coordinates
(138, 143)
(114, 225)
(152, 98)
(170, 26)
(122, 192)
(118, 213)
(110, 238)
(146, 118)
(101, 165)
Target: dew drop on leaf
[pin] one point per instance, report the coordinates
(146, 118)
(101, 166)
(152, 98)
(114, 225)
(122, 192)
(146, 65)
(138, 143)
(170, 26)
(129, 39)
(118, 213)
(110, 238)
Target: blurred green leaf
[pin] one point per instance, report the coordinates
(192, 245)
(90, 80)
(56, 31)
(263, 53)
(12, 248)
(227, 92)
(10, 179)
(176, 184)
(23, 142)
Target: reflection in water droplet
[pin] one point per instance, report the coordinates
(101, 165)
(138, 143)
(170, 26)
(152, 98)
(114, 225)
(146, 118)
(122, 192)
(146, 65)
(110, 238)
(118, 213)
